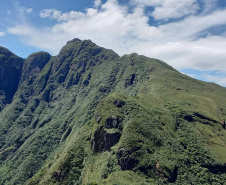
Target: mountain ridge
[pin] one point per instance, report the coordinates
(88, 115)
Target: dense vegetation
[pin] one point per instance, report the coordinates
(89, 116)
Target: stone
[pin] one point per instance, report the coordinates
(103, 141)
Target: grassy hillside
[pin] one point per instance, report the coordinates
(88, 116)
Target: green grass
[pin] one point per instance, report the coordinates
(54, 114)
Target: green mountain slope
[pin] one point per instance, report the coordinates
(10, 69)
(89, 116)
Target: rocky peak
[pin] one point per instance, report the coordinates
(74, 40)
(38, 59)
(34, 64)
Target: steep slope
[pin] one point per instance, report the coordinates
(10, 72)
(88, 116)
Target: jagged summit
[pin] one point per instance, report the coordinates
(39, 59)
(74, 40)
(76, 46)
(87, 116)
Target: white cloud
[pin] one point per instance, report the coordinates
(20, 13)
(147, 2)
(113, 26)
(28, 10)
(2, 34)
(192, 25)
(203, 54)
(168, 9)
(208, 5)
(97, 3)
(55, 14)
(21, 10)
(175, 9)
(23, 30)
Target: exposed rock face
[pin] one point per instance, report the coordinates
(104, 141)
(130, 81)
(126, 159)
(112, 122)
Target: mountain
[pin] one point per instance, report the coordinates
(89, 116)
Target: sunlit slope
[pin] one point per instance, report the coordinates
(89, 116)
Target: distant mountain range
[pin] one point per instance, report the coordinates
(89, 116)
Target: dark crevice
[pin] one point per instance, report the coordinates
(130, 81)
(216, 169)
(204, 118)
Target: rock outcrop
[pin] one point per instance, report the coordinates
(103, 141)
(129, 81)
(113, 122)
(126, 159)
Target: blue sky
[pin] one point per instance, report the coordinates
(190, 35)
